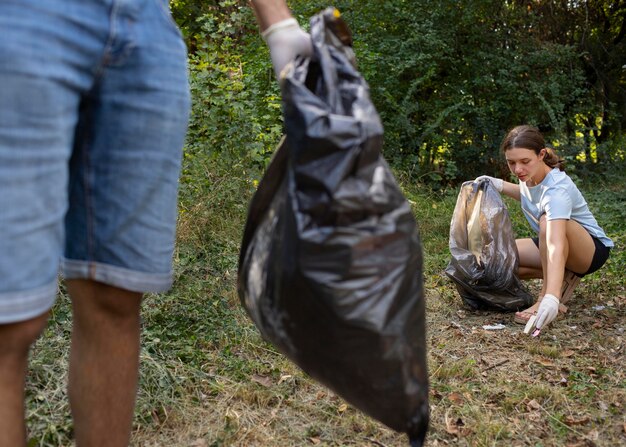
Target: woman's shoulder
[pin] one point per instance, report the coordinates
(561, 187)
(560, 179)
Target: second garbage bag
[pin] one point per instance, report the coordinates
(330, 268)
(484, 256)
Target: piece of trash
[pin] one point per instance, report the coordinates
(598, 308)
(530, 325)
(494, 327)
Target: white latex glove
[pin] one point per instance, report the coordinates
(286, 40)
(547, 312)
(496, 182)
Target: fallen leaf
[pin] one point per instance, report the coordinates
(315, 441)
(533, 405)
(457, 427)
(583, 443)
(262, 380)
(198, 443)
(576, 420)
(342, 408)
(547, 363)
(567, 353)
(454, 426)
(456, 398)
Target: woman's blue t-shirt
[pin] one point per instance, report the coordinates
(558, 198)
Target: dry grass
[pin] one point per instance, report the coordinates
(487, 388)
(207, 378)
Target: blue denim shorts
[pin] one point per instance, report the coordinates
(94, 103)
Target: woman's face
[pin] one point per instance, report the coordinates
(526, 164)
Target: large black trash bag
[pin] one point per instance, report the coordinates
(330, 269)
(484, 256)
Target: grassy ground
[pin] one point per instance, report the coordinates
(208, 379)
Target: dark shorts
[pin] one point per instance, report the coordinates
(599, 256)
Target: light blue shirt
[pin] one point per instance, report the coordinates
(558, 198)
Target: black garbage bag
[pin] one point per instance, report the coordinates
(330, 268)
(484, 255)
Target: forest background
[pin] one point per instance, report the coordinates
(448, 78)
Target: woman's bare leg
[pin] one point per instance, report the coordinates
(579, 257)
(529, 259)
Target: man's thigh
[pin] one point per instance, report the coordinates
(41, 78)
(127, 156)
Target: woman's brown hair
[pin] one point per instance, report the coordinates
(529, 137)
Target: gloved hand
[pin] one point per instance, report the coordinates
(286, 40)
(496, 182)
(547, 312)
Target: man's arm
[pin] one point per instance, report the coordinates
(281, 32)
(269, 12)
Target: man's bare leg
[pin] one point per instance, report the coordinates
(15, 342)
(104, 362)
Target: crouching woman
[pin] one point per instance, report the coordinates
(569, 244)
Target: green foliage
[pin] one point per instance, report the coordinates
(450, 78)
(236, 104)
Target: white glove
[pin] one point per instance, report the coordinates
(548, 311)
(286, 40)
(496, 182)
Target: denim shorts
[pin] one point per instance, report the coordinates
(94, 103)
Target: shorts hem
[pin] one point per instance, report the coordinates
(27, 304)
(115, 276)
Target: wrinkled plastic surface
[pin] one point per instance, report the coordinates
(485, 272)
(330, 267)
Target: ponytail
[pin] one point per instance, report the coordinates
(553, 160)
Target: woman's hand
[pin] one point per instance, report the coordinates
(496, 182)
(547, 312)
(506, 188)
